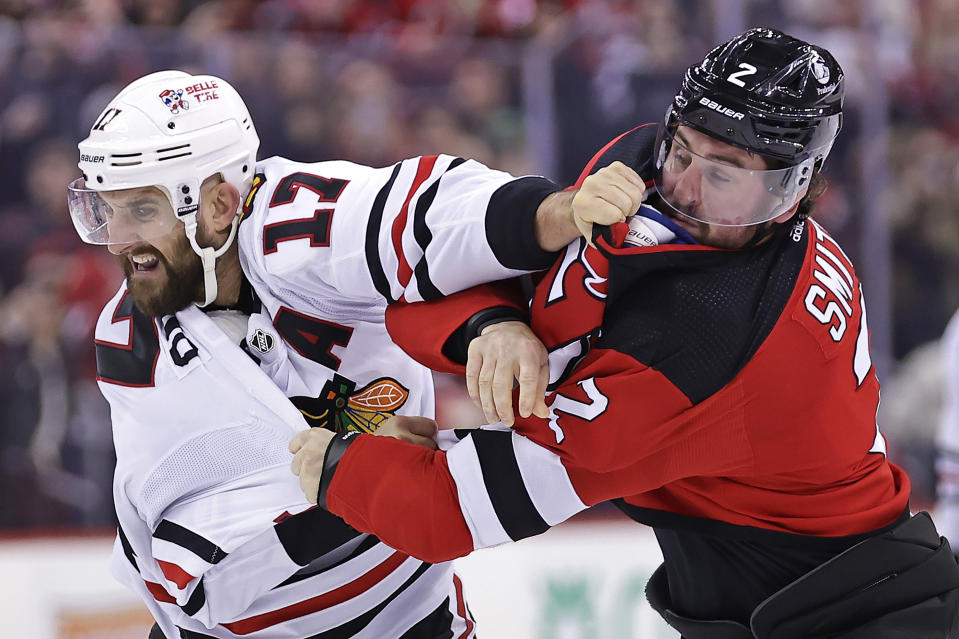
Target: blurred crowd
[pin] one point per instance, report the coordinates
(375, 81)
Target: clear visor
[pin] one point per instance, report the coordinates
(713, 189)
(120, 217)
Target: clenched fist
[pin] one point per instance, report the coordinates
(610, 195)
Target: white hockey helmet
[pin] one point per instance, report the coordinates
(169, 130)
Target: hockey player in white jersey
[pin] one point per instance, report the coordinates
(294, 264)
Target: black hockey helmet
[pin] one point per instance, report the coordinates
(768, 93)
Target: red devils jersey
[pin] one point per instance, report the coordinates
(730, 391)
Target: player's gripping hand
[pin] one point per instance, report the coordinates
(309, 447)
(610, 195)
(413, 430)
(309, 451)
(504, 352)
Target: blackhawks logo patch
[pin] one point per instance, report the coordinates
(340, 409)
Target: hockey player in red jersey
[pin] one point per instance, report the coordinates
(720, 392)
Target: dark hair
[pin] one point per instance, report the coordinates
(817, 186)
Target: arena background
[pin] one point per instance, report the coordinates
(529, 86)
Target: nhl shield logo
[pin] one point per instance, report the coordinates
(262, 341)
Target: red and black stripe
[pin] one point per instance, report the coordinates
(423, 236)
(373, 262)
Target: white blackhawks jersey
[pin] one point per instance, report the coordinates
(214, 532)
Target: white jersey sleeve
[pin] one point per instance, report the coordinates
(218, 551)
(214, 532)
(423, 228)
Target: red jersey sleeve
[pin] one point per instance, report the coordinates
(617, 429)
(421, 329)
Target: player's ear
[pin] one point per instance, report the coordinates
(223, 200)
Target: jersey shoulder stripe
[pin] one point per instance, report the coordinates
(375, 265)
(424, 169)
(127, 344)
(423, 236)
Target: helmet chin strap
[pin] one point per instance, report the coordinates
(208, 255)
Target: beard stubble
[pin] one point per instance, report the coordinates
(180, 285)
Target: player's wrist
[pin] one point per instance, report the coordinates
(501, 325)
(491, 317)
(456, 348)
(334, 453)
(555, 227)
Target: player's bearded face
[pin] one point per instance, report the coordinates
(705, 180)
(174, 279)
(163, 273)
